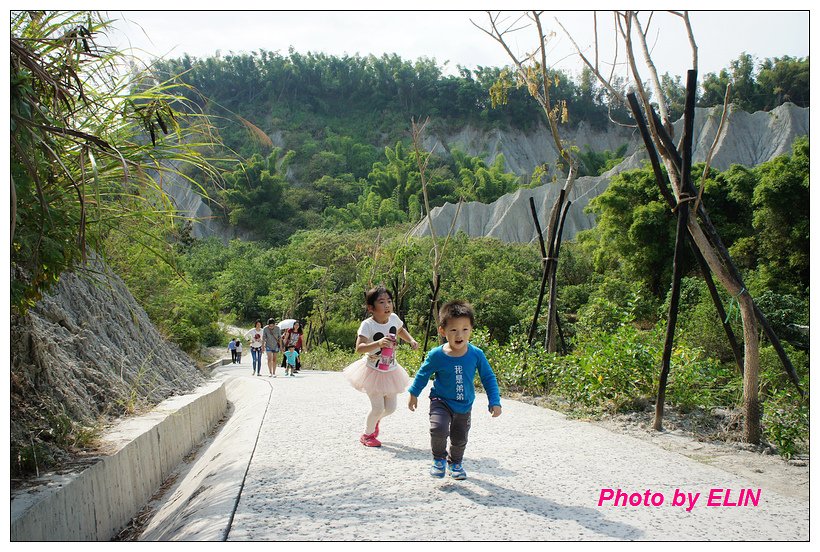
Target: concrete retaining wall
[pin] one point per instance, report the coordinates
(95, 504)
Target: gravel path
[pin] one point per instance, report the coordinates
(533, 475)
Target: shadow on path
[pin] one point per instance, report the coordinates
(499, 496)
(404, 452)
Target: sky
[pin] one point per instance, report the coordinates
(451, 38)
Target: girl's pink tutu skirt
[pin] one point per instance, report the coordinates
(376, 382)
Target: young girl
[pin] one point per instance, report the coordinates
(377, 373)
(238, 351)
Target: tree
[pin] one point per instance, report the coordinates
(745, 91)
(254, 194)
(658, 136)
(634, 231)
(533, 74)
(479, 182)
(395, 178)
(675, 93)
(782, 80)
(91, 143)
(781, 220)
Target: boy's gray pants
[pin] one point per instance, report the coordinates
(445, 423)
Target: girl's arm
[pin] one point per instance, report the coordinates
(405, 335)
(364, 345)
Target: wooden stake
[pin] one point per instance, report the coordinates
(677, 269)
(661, 180)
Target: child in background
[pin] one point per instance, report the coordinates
(291, 356)
(451, 400)
(232, 350)
(293, 336)
(238, 350)
(377, 373)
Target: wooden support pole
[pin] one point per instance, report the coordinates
(534, 324)
(680, 239)
(545, 276)
(704, 266)
(551, 305)
(661, 180)
(717, 243)
(560, 334)
(538, 232)
(677, 268)
(721, 312)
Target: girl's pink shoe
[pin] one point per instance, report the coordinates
(370, 440)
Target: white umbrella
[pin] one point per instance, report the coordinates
(286, 324)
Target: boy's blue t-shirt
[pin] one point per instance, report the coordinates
(454, 383)
(291, 356)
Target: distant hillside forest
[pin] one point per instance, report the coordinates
(323, 141)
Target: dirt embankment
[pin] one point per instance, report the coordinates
(85, 354)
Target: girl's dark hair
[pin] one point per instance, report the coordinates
(299, 331)
(372, 296)
(455, 309)
(257, 322)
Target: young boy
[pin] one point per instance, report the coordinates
(455, 365)
(291, 355)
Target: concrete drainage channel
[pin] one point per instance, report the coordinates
(200, 504)
(96, 503)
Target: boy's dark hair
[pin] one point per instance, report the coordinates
(291, 346)
(372, 296)
(455, 309)
(271, 321)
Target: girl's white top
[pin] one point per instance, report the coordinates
(374, 331)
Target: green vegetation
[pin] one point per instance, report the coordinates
(319, 166)
(776, 81)
(91, 143)
(612, 301)
(341, 126)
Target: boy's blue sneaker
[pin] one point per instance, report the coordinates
(438, 468)
(457, 471)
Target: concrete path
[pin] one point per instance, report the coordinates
(290, 453)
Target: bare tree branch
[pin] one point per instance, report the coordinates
(653, 74)
(714, 145)
(691, 35)
(594, 68)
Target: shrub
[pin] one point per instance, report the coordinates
(340, 332)
(611, 369)
(786, 422)
(328, 357)
(695, 380)
(785, 412)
